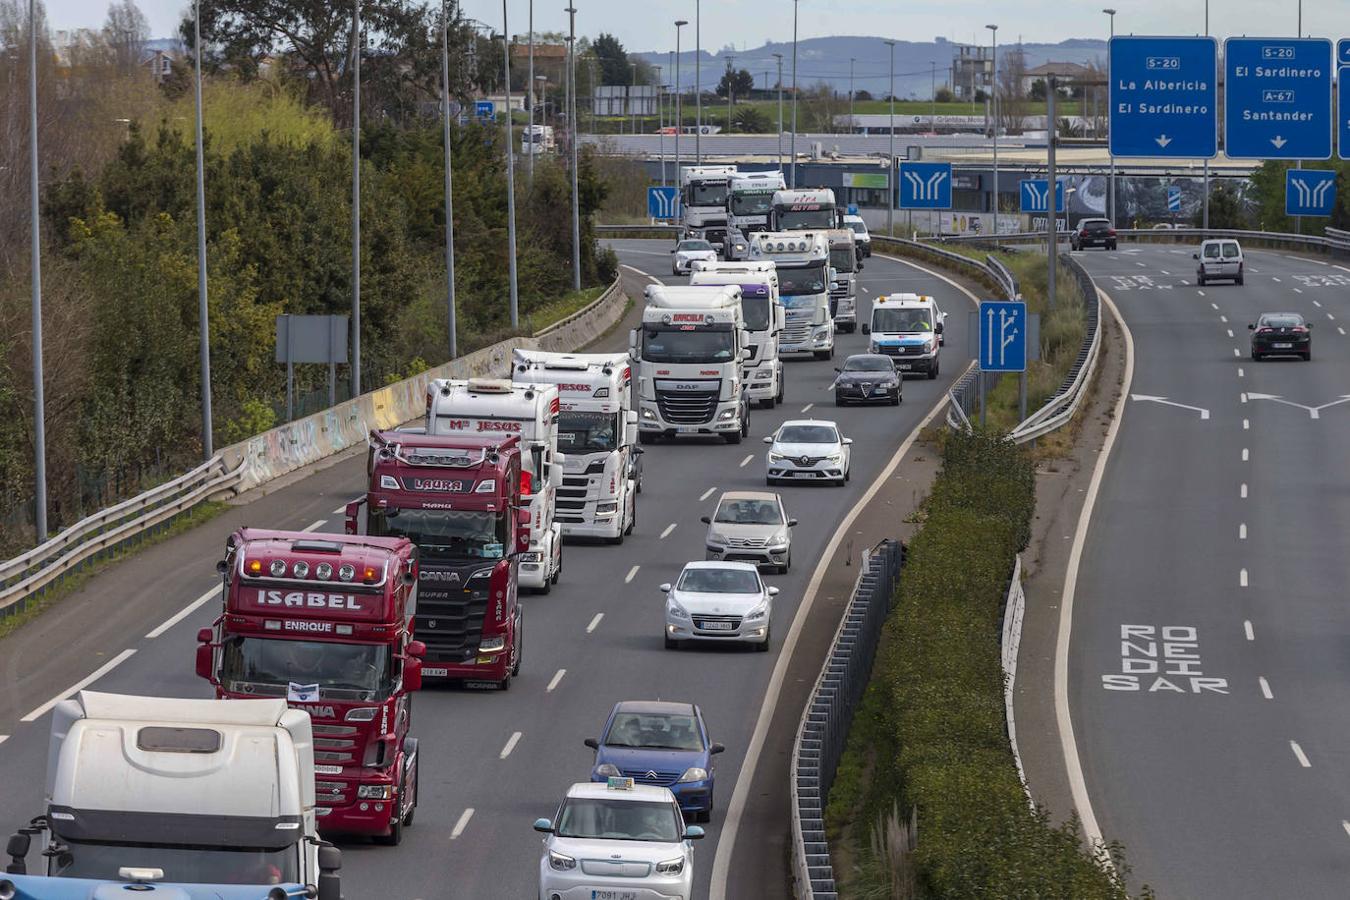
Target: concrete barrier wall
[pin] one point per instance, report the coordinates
(303, 442)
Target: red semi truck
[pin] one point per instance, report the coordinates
(325, 621)
(459, 499)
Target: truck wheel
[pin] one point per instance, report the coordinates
(732, 438)
(520, 646)
(781, 384)
(823, 354)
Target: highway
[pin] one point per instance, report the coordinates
(493, 762)
(1209, 668)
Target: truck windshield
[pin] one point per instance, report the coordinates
(706, 194)
(445, 533)
(697, 345)
(587, 432)
(265, 666)
(789, 219)
(756, 203)
(756, 313)
(805, 280)
(183, 864)
(901, 321)
(843, 258)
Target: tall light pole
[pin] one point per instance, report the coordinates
(449, 196)
(356, 198)
(572, 119)
(794, 95)
(204, 325)
(529, 131)
(851, 61)
(1112, 193)
(993, 84)
(890, 157)
(510, 176)
(731, 60)
(1204, 214)
(661, 117)
(632, 110)
(679, 117)
(779, 57)
(39, 403)
(932, 93)
(698, 85)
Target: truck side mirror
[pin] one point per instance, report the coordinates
(938, 328)
(416, 649)
(747, 353)
(330, 863)
(353, 513)
(632, 342)
(206, 655)
(412, 672)
(630, 431)
(866, 329)
(17, 849)
(555, 471)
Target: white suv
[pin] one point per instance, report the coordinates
(1220, 258)
(617, 839)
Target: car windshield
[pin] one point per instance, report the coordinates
(808, 434)
(599, 818)
(706, 194)
(790, 219)
(587, 432)
(719, 581)
(801, 281)
(868, 364)
(686, 344)
(858, 227)
(901, 321)
(842, 258)
(749, 512)
(694, 245)
(756, 312)
(751, 204)
(1284, 321)
(181, 864)
(267, 666)
(655, 731)
(444, 533)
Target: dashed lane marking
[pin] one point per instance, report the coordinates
(461, 824)
(595, 623)
(81, 684)
(1247, 627)
(554, 681)
(1300, 755)
(510, 745)
(706, 494)
(632, 573)
(1265, 688)
(316, 525)
(745, 462)
(1244, 490)
(183, 613)
(1242, 531)
(807, 407)
(669, 528)
(1242, 578)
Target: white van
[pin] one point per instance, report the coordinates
(1220, 258)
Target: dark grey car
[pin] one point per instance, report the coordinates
(868, 378)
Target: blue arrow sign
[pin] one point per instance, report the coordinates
(1309, 192)
(1174, 199)
(1343, 118)
(1003, 336)
(1164, 97)
(1035, 194)
(1343, 52)
(925, 185)
(663, 202)
(1277, 98)
(484, 109)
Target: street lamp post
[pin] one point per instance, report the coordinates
(529, 131)
(794, 94)
(204, 328)
(698, 84)
(993, 84)
(39, 402)
(632, 110)
(572, 121)
(1204, 215)
(779, 57)
(890, 156)
(510, 176)
(731, 61)
(1112, 193)
(449, 196)
(679, 117)
(851, 61)
(356, 198)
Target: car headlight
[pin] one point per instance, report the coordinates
(776, 457)
(560, 862)
(726, 414)
(836, 458)
(873, 347)
(532, 556)
(758, 612)
(647, 414)
(676, 611)
(670, 866)
(375, 791)
(694, 773)
(607, 508)
(778, 540)
(492, 644)
(716, 539)
(608, 770)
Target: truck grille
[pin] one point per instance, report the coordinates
(797, 332)
(450, 621)
(687, 407)
(331, 793)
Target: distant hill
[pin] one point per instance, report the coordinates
(827, 59)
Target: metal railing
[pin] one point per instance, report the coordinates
(637, 231)
(1335, 241)
(27, 577)
(823, 730)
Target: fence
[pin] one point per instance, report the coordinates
(823, 730)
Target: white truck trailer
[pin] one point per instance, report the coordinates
(844, 268)
(802, 259)
(597, 432)
(762, 309)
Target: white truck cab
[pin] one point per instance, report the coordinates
(765, 318)
(749, 199)
(689, 352)
(844, 268)
(482, 406)
(803, 210)
(802, 262)
(907, 328)
(703, 201)
(597, 432)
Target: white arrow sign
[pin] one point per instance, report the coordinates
(1204, 413)
(1278, 141)
(1312, 410)
(1162, 140)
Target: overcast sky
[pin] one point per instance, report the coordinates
(749, 23)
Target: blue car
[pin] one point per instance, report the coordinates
(663, 744)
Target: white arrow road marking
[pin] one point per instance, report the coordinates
(1313, 411)
(1204, 413)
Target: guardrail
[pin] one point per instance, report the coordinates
(1335, 242)
(638, 231)
(823, 730)
(26, 578)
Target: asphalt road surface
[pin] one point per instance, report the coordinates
(493, 762)
(1210, 655)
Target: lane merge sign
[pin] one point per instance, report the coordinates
(1003, 336)
(1277, 98)
(1164, 97)
(1309, 192)
(925, 185)
(663, 202)
(1035, 194)
(485, 109)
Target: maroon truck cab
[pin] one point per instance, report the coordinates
(458, 498)
(325, 620)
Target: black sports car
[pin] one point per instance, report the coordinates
(868, 378)
(1281, 334)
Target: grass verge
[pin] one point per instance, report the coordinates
(568, 304)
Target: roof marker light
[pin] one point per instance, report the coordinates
(277, 568)
(323, 571)
(347, 572)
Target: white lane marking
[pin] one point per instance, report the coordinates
(869, 290)
(706, 494)
(1242, 531)
(1246, 424)
(1202, 293)
(461, 824)
(632, 573)
(1241, 372)
(1331, 317)
(183, 613)
(595, 623)
(510, 745)
(807, 407)
(1243, 396)
(1244, 490)
(636, 271)
(1274, 278)
(745, 462)
(1298, 752)
(1340, 329)
(1342, 268)
(1300, 290)
(1344, 823)
(3, 738)
(1245, 454)
(669, 528)
(1185, 283)
(1317, 304)
(1142, 265)
(1223, 319)
(1211, 303)
(1164, 271)
(81, 684)
(1236, 352)
(343, 508)
(1230, 332)
(553, 682)
(1247, 627)
(1242, 578)
(315, 525)
(1265, 688)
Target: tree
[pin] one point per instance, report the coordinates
(749, 120)
(126, 31)
(1012, 101)
(862, 96)
(944, 95)
(739, 82)
(614, 65)
(1227, 208)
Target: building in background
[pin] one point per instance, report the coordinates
(972, 72)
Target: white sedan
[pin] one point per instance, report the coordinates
(719, 601)
(617, 839)
(689, 251)
(808, 450)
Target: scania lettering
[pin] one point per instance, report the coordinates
(597, 432)
(194, 792)
(749, 199)
(844, 267)
(802, 259)
(703, 201)
(468, 543)
(808, 210)
(482, 406)
(324, 621)
(908, 328)
(690, 350)
(762, 309)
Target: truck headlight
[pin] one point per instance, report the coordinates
(375, 791)
(647, 414)
(492, 644)
(608, 770)
(694, 773)
(765, 375)
(560, 862)
(606, 509)
(670, 866)
(727, 414)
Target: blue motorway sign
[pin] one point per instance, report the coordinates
(1174, 199)
(484, 109)
(1003, 336)
(1035, 194)
(925, 185)
(1164, 97)
(1343, 113)
(1309, 192)
(1343, 52)
(1277, 98)
(663, 202)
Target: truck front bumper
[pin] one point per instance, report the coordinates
(593, 526)
(491, 667)
(822, 338)
(726, 419)
(356, 814)
(761, 383)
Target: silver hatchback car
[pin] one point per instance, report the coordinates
(753, 527)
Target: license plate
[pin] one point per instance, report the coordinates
(328, 770)
(687, 429)
(614, 895)
(904, 367)
(1283, 346)
(717, 626)
(434, 672)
